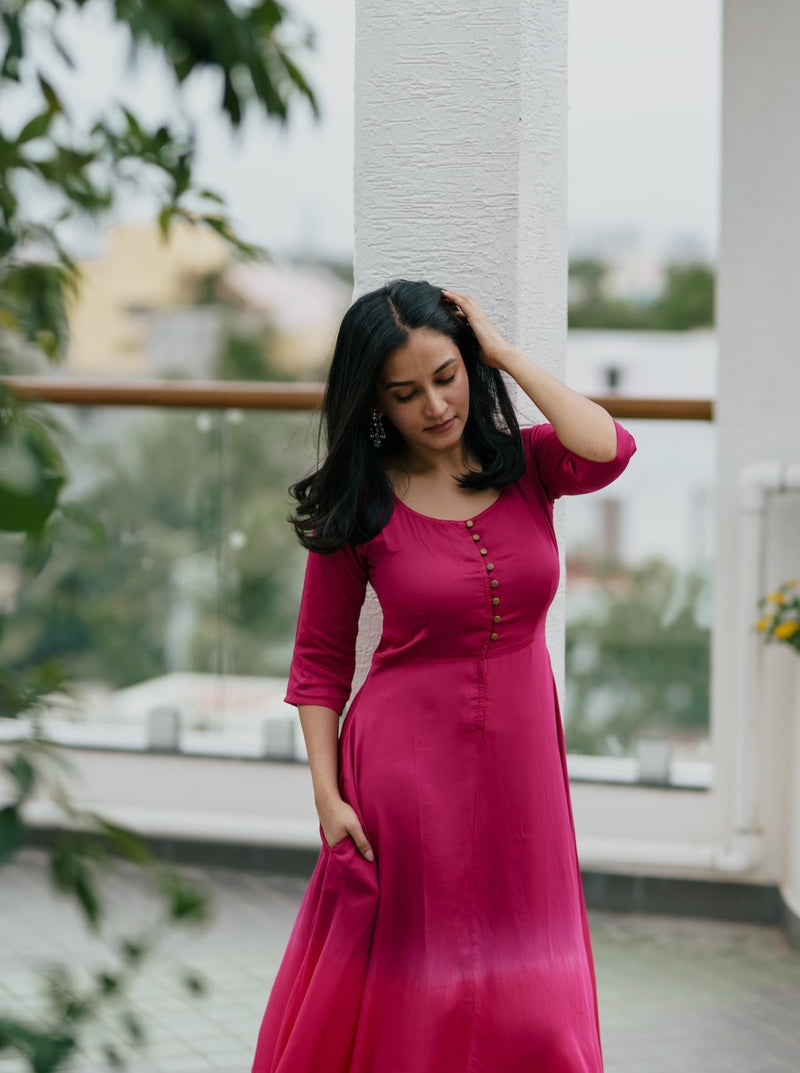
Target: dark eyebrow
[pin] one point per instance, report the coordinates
(408, 383)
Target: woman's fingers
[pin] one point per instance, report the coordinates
(456, 298)
(352, 830)
(362, 845)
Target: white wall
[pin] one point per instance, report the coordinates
(759, 366)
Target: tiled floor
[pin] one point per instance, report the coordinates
(676, 995)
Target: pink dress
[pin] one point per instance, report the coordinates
(464, 948)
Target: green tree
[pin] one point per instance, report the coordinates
(639, 659)
(688, 298)
(79, 169)
(114, 591)
(686, 301)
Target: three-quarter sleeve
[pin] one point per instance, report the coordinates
(562, 472)
(324, 655)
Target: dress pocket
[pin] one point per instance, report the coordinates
(337, 847)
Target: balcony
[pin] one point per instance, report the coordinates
(176, 622)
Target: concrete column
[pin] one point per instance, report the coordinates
(460, 161)
(759, 377)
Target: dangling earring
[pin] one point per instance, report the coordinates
(376, 429)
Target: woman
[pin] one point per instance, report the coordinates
(443, 929)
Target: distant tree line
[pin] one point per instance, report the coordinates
(686, 300)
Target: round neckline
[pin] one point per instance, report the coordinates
(450, 521)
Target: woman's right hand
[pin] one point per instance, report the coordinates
(339, 821)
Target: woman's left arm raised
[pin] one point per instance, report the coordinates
(581, 425)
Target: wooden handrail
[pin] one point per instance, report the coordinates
(269, 395)
(185, 394)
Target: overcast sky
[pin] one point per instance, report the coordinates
(644, 88)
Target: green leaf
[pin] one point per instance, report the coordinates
(14, 46)
(133, 1028)
(165, 219)
(133, 951)
(53, 100)
(194, 983)
(112, 1055)
(107, 983)
(187, 902)
(125, 841)
(77, 514)
(23, 773)
(71, 874)
(37, 127)
(12, 832)
(87, 897)
(30, 477)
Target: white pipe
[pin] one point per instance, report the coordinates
(757, 482)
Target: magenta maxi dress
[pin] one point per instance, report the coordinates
(464, 948)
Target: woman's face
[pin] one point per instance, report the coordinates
(423, 390)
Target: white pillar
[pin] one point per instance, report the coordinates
(460, 159)
(759, 375)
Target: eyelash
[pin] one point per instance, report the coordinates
(407, 398)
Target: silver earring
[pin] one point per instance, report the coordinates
(376, 430)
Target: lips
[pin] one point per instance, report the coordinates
(443, 427)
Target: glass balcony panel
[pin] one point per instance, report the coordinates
(175, 600)
(639, 580)
(181, 606)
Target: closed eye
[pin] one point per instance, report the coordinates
(411, 394)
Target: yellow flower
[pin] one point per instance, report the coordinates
(764, 623)
(787, 629)
(776, 597)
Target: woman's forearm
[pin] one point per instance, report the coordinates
(321, 732)
(580, 424)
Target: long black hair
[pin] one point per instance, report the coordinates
(348, 499)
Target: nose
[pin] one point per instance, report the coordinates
(435, 405)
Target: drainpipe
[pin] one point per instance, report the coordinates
(757, 482)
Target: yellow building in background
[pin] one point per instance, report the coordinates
(139, 313)
(137, 274)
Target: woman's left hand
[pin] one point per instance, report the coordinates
(495, 350)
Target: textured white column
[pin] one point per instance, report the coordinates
(759, 376)
(460, 164)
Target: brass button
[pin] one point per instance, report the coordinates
(492, 636)
(469, 524)
(496, 618)
(490, 567)
(476, 536)
(484, 551)
(494, 583)
(495, 600)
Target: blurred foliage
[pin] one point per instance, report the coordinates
(167, 578)
(686, 300)
(34, 520)
(79, 169)
(56, 172)
(247, 356)
(639, 659)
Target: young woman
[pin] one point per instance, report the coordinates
(443, 929)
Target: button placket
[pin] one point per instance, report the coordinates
(495, 617)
